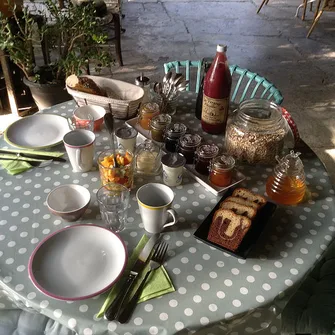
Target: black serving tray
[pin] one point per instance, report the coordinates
(258, 224)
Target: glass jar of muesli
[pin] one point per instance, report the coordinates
(257, 132)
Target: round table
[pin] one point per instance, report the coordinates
(211, 286)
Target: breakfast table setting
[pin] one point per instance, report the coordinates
(65, 256)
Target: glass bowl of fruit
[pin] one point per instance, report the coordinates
(119, 170)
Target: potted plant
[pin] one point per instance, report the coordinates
(69, 39)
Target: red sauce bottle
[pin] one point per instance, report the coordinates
(217, 86)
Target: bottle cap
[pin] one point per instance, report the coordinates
(221, 48)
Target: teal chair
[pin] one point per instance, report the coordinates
(246, 84)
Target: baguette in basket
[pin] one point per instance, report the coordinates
(120, 98)
(84, 84)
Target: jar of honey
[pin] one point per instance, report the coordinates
(158, 125)
(187, 146)
(172, 134)
(203, 156)
(221, 170)
(287, 184)
(147, 112)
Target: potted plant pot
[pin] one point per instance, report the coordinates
(47, 95)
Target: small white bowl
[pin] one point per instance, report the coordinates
(97, 112)
(68, 201)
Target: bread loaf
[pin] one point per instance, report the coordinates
(243, 202)
(249, 196)
(84, 84)
(228, 229)
(239, 209)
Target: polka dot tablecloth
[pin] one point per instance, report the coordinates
(211, 286)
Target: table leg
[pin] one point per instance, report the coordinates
(9, 83)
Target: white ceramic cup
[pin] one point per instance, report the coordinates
(173, 165)
(154, 201)
(126, 138)
(79, 145)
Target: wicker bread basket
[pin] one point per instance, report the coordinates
(123, 98)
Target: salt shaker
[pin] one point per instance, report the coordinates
(143, 82)
(287, 184)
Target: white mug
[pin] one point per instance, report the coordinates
(154, 201)
(79, 145)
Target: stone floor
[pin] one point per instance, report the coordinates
(272, 43)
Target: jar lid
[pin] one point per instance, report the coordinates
(149, 146)
(207, 150)
(150, 107)
(126, 132)
(190, 140)
(262, 115)
(223, 162)
(160, 120)
(173, 160)
(176, 130)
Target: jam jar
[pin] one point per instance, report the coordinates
(203, 156)
(172, 134)
(221, 170)
(147, 112)
(187, 146)
(158, 125)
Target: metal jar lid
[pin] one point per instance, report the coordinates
(126, 132)
(223, 163)
(207, 151)
(190, 140)
(175, 130)
(173, 160)
(149, 108)
(160, 121)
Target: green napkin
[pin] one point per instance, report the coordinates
(16, 165)
(158, 283)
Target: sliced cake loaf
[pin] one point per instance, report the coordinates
(228, 229)
(243, 202)
(247, 211)
(250, 196)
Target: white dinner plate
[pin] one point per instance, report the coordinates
(77, 262)
(38, 131)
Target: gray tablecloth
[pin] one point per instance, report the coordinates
(211, 286)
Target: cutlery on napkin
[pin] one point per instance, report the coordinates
(18, 163)
(114, 310)
(158, 283)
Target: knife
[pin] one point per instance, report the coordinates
(25, 155)
(113, 311)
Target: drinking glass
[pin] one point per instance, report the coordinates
(87, 124)
(123, 173)
(113, 201)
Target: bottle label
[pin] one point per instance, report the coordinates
(214, 111)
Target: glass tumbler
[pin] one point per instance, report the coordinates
(113, 201)
(120, 173)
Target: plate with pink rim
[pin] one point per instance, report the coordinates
(77, 262)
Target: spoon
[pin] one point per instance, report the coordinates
(109, 122)
(166, 80)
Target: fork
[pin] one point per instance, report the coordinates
(155, 262)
